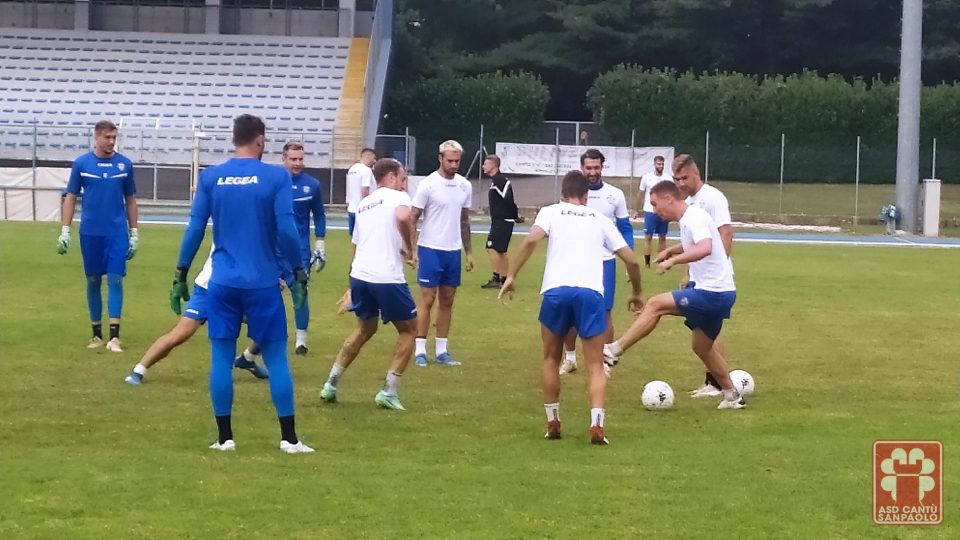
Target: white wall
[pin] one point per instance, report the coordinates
(20, 15)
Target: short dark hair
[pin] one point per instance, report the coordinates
(658, 158)
(574, 185)
(368, 150)
(104, 125)
(246, 129)
(292, 145)
(592, 153)
(666, 188)
(385, 166)
(494, 158)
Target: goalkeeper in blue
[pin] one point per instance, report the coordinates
(108, 227)
(250, 203)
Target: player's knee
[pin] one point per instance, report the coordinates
(94, 280)
(114, 279)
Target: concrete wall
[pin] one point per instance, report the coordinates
(23, 15)
(177, 20)
(363, 23)
(278, 22)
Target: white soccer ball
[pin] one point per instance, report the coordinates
(657, 396)
(742, 381)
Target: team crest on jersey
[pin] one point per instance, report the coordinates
(121, 166)
(306, 189)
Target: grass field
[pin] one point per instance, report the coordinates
(847, 344)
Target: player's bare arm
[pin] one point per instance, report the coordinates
(726, 236)
(465, 237)
(408, 229)
(635, 302)
(696, 252)
(669, 252)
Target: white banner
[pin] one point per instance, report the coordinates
(18, 199)
(543, 159)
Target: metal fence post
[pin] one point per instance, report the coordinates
(856, 189)
(333, 144)
(480, 157)
(783, 142)
(933, 165)
(706, 158)
(633, 158)
(556, 166)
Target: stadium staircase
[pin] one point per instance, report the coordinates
(349, 124)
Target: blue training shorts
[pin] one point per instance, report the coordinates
(391, 301)
(654, 224)
(609, 283)
(351, 222)
(199, 305)
(438, 268)
(705, 310)
(261, 308)
(104, 254)
(564, 308)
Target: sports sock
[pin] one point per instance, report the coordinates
(391, 383)
(288, 429)
(114, 295)
(281, 382)
(114, 330)
(571, 356)
(421, 346)
(596, 416)
(249, 356)
(496, 277)
(646, 260)
(224, 429)
(221, 375)
(615, 348)
(301, 337)
(711, 380)
(335, 372)
(140, 369)
(731, 394)
(441, 345)
(97, 329)
(553, 411)
(94, 300)
(301, 319)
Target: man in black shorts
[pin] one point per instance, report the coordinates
(503, 214)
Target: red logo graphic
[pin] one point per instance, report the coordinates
(907, 482)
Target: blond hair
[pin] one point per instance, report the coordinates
(450, 146)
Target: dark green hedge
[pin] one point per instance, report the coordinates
(821, 117)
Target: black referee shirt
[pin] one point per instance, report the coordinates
(501, 198)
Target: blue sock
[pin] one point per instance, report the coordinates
(94, 301)
(222, 352)
(114, 295)
(281, 383)
(302, 316)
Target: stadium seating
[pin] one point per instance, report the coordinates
(162, 87)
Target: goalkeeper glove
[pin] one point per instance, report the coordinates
(298, 289)
(63, 241)
(319, 257)
(179, 290)
(134, 240)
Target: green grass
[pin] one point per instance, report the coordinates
(848, 345)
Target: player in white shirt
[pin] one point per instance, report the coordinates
(443, 199)
(383, 241)
(652, 224)
(706, 304)
(578, 238)
(612, 204)
(360, 183)
(192, 319)
(698, 193)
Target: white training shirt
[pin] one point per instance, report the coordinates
(714, 202)
(377, 237)
(713, 272)
(577, 239)
(203, 278)
(647, 182)
(610, 202)
(442, 201)
(358, 176)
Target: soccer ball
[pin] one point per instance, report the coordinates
(657, 396)
(742, 381)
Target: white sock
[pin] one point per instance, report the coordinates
(249, 356)
(441, 345)
(615, 348)
(553, 411)
(571, 356)
(301, 337)
(596, 416)
(140, 369)
(421, 346)
(391, 384)
(335, 373)
(731, 394)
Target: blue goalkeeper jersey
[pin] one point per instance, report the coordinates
(251, 206)
(307, 198)
(105, 183)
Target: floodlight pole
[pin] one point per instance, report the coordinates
(908, 124)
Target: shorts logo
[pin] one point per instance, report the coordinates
(908, 482)
(684, 301)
